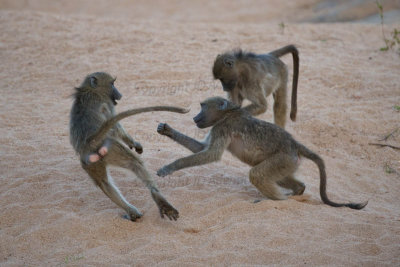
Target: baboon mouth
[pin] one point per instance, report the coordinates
(115, 95)
(197, 121)
(201, 125)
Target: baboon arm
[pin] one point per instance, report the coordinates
(258, 103)
(126, 138)
(186, 141)
(235, 97)
(213, 153)
(200, 158)
(123, 135)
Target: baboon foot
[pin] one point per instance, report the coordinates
(164, 129)
(164, 207)
(300, 189)
(133, 215)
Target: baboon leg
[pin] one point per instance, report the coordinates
(99, 174)
(121, 156)
(184, 140)
(292, 183)
(280, 106)
(265, 175)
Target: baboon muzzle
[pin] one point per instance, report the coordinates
(115, 95)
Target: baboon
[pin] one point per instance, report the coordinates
(246, 75)
(273, 153)
(101, 141)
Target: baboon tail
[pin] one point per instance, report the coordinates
(305, 152)
(96, 139)
(295, 53)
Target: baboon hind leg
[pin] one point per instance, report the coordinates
(99, 174)
(280, 105)
(266, 175)
(122, 157)
(292, 183)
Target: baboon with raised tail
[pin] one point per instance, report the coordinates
(245, 75)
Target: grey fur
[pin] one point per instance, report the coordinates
(245, 75)
(94, 126)
(272, 152)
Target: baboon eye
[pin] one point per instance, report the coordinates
(223, 105)
(93, 82)
(228, 62)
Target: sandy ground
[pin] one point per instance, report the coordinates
(51, 214)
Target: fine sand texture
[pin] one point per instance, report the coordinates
(52, 214)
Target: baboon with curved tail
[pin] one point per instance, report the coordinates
(100, 140)
(273, 153)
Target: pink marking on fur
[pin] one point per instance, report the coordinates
(103, 151)
(93, 158)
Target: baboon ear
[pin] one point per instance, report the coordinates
(228, 62)
(93, 82)
(223, 105)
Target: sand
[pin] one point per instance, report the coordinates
(51, 214)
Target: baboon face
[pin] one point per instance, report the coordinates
(224, 69)
(104, 84)
(212, 110)
(115, 94)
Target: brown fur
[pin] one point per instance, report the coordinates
(250, 76)
(101, 141)
(272, 152)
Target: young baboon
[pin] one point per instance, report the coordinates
(245, 75)
(271, 151)
(101, 141)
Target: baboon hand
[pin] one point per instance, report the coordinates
(164, 129)
(164, 171)
(138, 147)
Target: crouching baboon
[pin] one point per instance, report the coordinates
(271, 151)
(245, 75)
(101, 141)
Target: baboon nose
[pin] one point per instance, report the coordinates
(196, 119)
